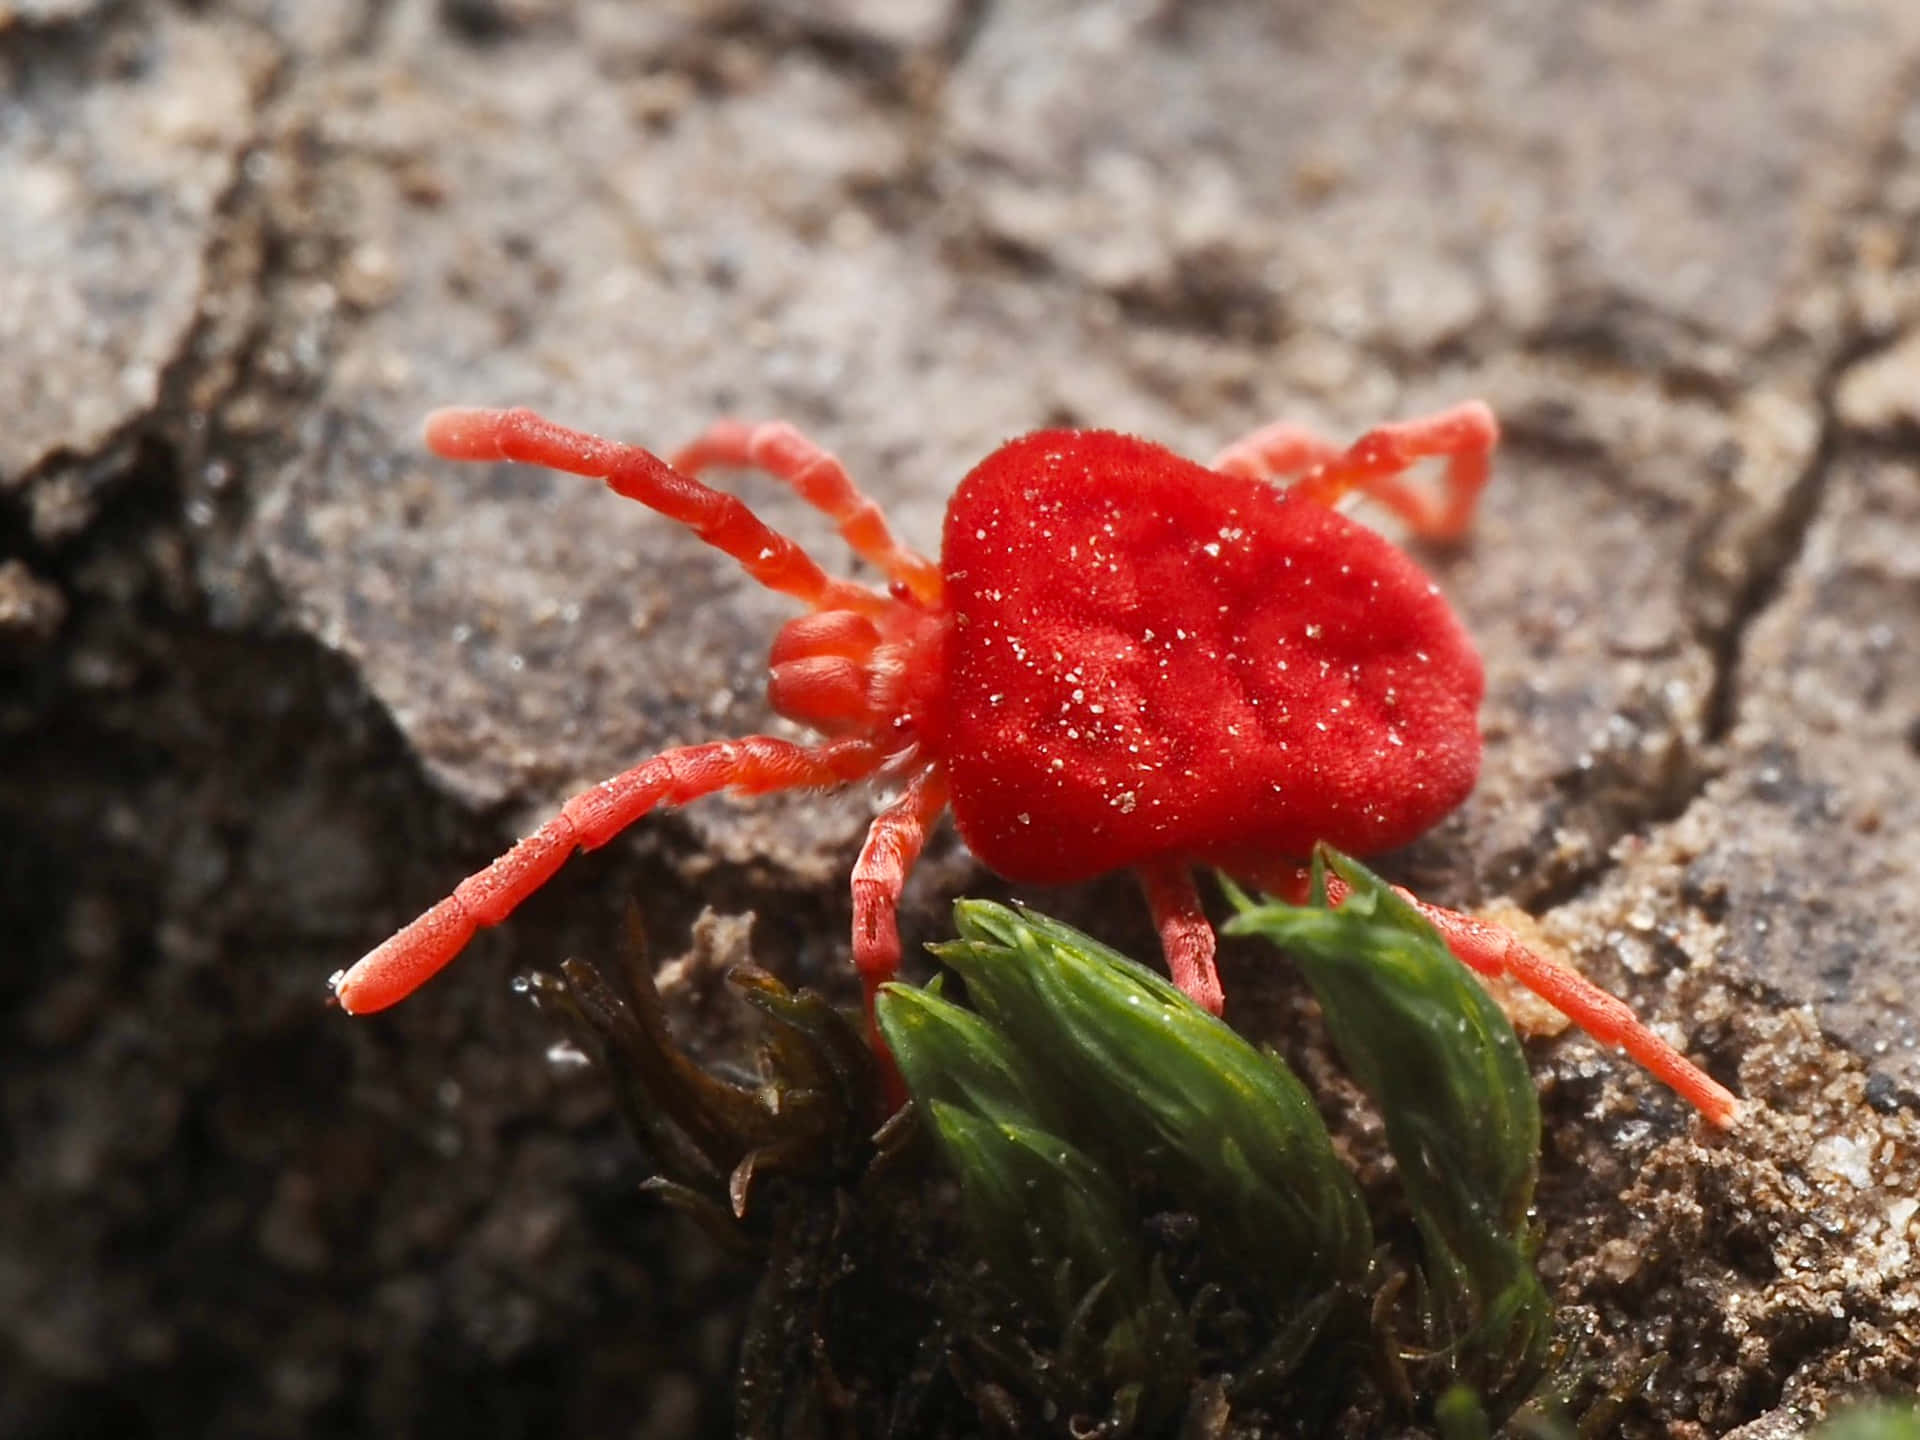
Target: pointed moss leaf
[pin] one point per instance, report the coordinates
(1037, 1204)
(1141, 1067)
(1442, 1062)
(1430, 1045)
(950, 1054)
(813, 1044)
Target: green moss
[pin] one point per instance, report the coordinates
(1126, 1067)
(1878, 1420)
(1105, 1211)
(1082, 1099)
(1442, 1063)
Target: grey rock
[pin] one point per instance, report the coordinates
(114, 161)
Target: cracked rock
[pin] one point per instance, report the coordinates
(1812, 839)
(1882, 392)
(111, 189)
(1405, 184)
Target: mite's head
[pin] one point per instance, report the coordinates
(849, 674)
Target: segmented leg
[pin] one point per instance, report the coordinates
(822, 481)
(753, 765)
(1280, 451)
(1185, 936)
(1491, 950)
(1463, 437)
(722, 520)
(894, 843)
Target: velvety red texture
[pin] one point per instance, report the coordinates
(1151, 659)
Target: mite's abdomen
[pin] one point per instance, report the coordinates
(1148, 658)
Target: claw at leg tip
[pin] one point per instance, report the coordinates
(345, 991)
(367, 985)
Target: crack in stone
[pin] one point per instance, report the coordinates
(1771, 555)
(177, 391)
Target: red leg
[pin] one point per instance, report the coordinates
(1464, 437)
(753, 765)
(1185, 936)
(894, 843)
(822, 481)
(1491, 950)
(722, 520)
(1275, 452)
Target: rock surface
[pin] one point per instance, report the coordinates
(272, 680)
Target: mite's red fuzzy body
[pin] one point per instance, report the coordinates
(1123, 660)
(1149, 659)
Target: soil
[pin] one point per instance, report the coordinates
(271, 679)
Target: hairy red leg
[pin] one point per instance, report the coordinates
(722, 520)
(1492, 950)
(1464, 437)
(1274, 452)
(819, 478)
(1185, 936)
(753, 765)
(894, 842)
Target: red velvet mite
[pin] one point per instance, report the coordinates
(1124, 660)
